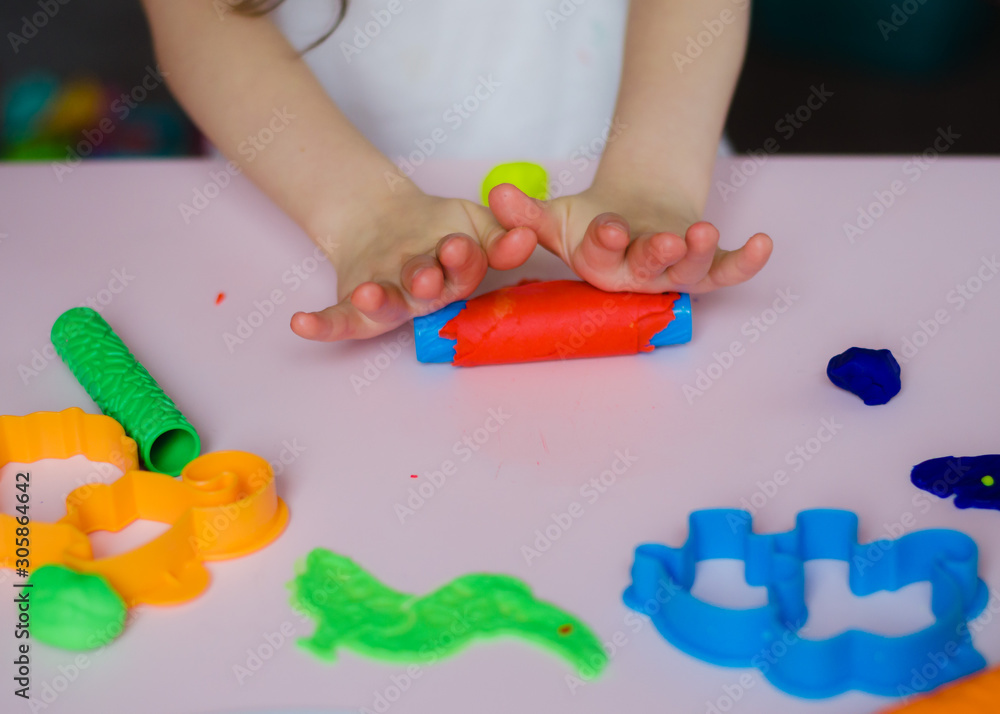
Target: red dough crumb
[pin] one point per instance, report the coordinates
(560, 319)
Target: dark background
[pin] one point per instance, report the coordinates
(893, 88)
(898, 71)
(105, 44)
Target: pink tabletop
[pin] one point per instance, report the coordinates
(737, 418)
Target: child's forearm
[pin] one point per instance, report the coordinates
(673, 99)
(247, 89)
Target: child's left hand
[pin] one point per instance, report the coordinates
(626, 242)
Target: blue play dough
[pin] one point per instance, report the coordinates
(871, 374)
(973, 480)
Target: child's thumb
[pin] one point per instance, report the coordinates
(515, 209)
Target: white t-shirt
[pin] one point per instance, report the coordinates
(505, 80)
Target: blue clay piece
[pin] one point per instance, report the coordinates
(973, 480)
(873, 375)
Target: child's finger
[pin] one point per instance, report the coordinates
(509, 249)
(602, 249)
(702, 239)
(381, 303)
(337, 322)
(464, 264)
(514, 209)
(423, 277)
(371, 309)
(650, 255)
(738, 266)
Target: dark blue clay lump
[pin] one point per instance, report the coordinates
(873, 375)
(973, 480)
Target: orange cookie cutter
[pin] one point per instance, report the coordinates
(60, 435)
(224, 505)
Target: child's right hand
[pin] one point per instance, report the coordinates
(409, 257)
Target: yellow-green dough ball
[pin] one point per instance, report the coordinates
(530, 178)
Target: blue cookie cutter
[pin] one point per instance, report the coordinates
(662, 578)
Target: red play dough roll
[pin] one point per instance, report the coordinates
(561, 319)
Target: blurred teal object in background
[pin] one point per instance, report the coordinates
(24, 103)
(914, 37)
(45, 119)
(153, 130)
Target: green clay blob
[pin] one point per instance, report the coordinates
(73, 611)
(530, 178)
(353, 609)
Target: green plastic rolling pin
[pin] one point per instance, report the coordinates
(124, 390)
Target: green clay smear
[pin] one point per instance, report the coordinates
(353, 609)
(73, 611)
